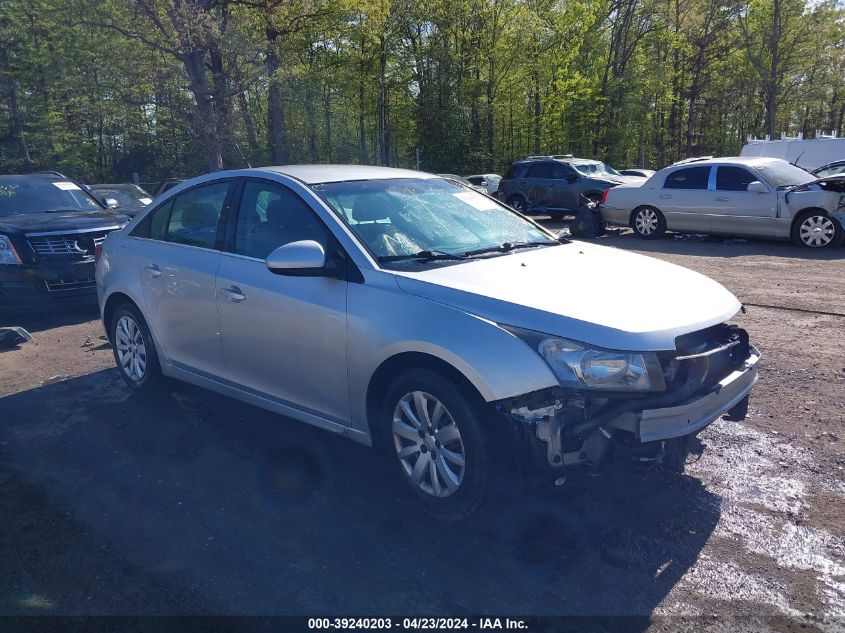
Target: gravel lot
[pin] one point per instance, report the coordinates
(191, 503)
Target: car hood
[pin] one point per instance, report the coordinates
(595, 294)
(62, 221)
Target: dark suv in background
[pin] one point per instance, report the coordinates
(50, 227)
(553, 185)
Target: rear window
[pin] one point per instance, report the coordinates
(514, 171)
(540, 170)
(688, 178)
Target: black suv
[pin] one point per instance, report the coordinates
(50, 227)
(553, 185)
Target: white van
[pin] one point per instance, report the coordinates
(809, 154)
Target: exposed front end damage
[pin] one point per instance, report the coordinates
(710, 373)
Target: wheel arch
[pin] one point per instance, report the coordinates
(809, 211)
(111, 304)
(396, 364)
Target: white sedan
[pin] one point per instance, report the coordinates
(754, 197)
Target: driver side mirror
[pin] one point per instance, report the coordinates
(571, 178)
(305, 258)
(757, 187)
(110, 203)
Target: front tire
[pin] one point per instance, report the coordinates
(648, 223)
(134, 349)
(438, 443)
(816, 229)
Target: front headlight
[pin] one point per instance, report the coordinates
(581, 366)
(8, 254)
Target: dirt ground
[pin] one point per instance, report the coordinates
(188, 503)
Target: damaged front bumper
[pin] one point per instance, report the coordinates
(691, 417)
(564, 428)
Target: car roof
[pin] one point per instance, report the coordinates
(315, 174)
(750, 161)
(570, 160)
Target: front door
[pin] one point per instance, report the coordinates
(283, 336)
(178, 264)
(737, 211)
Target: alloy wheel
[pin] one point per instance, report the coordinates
(646, 221)
(816, 231)
(131, 351)
(428, 444)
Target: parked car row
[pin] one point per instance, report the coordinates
(753, 197)
(554, 185)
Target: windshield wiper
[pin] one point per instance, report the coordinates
(422, 256)
(507, 247)
(66, 210)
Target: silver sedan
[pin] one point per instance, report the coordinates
(407, 311)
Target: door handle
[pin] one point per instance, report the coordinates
(234, 294)
(153, 270)
(721, 199)
(665, 196)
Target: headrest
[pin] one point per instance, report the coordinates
(276, 212)
(371, 207)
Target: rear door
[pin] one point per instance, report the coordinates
(178, 264)
(283, 336)
(737, 211)
(537, 183)
(685, 200)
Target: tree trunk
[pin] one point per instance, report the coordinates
(384, 148)
(17, 121)
(276, 133)
(222, 104)
(491, 159)
(537, 114)
(772, 91)
(194, 63)
(249, 124)
(327, 116)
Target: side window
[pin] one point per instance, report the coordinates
(540, 170)
(733, 178)
(561, 171)
(688, 178)
(157, 221)
(195, 215)
(271, 215)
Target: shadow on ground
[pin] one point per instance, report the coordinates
(188, 502)
(49, 319)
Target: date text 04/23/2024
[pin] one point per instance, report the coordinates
(423, 623)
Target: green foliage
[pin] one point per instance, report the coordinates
(102, 89)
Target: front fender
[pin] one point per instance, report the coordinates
(384, 321)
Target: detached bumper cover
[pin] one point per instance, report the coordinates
(694, 415)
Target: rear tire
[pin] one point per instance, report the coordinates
(518, 204)
(134, 350)
(438, 443)
(816, 229)
(648, 223)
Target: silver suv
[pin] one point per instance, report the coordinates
(405, 310)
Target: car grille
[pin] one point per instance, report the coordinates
(61, 285)
(72, 243)
(709, 355)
